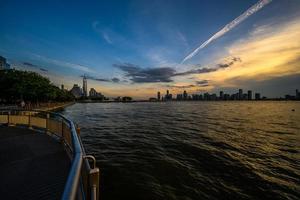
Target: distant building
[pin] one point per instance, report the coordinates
(240, 94)
(158, 96)
(179, 97)
(206, 96)
(168, 96)
(152, 99)
(297, 95)
(62, 87)
(221, 95)
(3, 63)
(226, 97)
(213, 97)
(257, 96)
(249, 95)
(94, 94)
(76, 91)
(185, 95)
(84, 86)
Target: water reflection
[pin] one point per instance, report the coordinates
(194, 150)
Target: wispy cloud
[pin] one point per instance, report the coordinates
(264, 57)
(63, 63)
(104, 34)
(256, 7)
(35, 66)
(106, 37)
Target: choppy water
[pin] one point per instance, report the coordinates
(193, 150)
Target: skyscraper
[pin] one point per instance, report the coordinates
(158, 96)
(84, 86)
(221, 95)
(185, 95)
(249, 95)
(240, 95)
(257, 96)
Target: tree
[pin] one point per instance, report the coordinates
(18, 85)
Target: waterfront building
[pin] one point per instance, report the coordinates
(221, 95)
(3, 63)
(200, 97)
(158, 96)
(195, 97)
(76, 91)
(84, 86)
(240, 94)
(168, 96)
(94, 94)
(257, 96)
(179, 97)
(206, 96)
(213, 97)
(152, 99)
(226, 97)
(249, 95)
(185, 95)
(245, 96)
(297, 94)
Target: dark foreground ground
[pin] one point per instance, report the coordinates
(32, 165)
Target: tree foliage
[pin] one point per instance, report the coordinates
(18, 85)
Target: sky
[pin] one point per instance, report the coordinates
(136, 48)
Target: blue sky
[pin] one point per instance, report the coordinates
(104, 39)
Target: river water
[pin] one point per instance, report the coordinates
(193, 150)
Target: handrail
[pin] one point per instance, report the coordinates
(79, 158)
(74, 174)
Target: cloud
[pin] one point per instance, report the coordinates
(106, 37)
(34, 66)
(202, 82)
(113, 80)
(208, 70)
(164, 74)
(44, 70)
(63, 63)
(103, 33)
(148, 75)
(253, 9)
(265, 57)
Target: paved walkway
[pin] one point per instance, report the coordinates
(33, 165)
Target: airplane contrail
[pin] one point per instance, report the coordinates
(253, 9)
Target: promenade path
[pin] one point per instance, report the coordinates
(33, 165)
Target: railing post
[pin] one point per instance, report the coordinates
(62, 129)
(94, 177)
(8, 118)
(78, 130)
(47, 123)
(29, 120)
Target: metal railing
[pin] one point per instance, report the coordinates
(83, 180)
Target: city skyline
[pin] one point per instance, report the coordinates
(138, 49)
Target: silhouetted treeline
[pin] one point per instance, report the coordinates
(18, 85)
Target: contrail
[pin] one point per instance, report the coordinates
(253, 9)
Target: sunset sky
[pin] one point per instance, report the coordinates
(137, 48)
